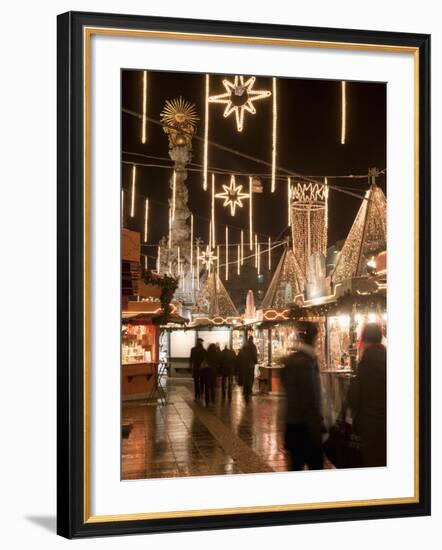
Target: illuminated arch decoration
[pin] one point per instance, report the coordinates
(239, 97)
(232, 195)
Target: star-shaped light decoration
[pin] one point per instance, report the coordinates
(239, 97)
(232, 195)
(208, 258)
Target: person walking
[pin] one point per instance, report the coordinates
(228, 359)
(247, 359)
(197, 356)
(367, 398)
(300, 377)
(209, 374)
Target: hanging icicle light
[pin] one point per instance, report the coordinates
(218, 259)
(259, 259)
(210, 234)
(145, 262)
(256, 250)
(144, 119)
(270, 254)
(173, 195)
(227, 252)
(132, 200)
(198, 267)
(274, 122)
(213, 211)
(206, 134)
(242, 246)
(159, 259)
(146, 219)
(343, 111)
(238, 259)
(250, 213)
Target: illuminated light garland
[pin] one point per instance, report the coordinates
(232, 195)
(289, 200)
(343, 111)
(144, 119)
(173, 195)
(238, 259)
(239, 88)
(132, 200)
(242, 246)
(213, 211)
(270, 254)
(274, 122)
(250, 213)
(206, 133)
(227, 252)
(146, 219)
(159, 259)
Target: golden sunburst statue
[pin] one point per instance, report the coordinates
(179, 117)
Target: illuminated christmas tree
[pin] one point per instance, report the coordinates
(367, 237)
(286, 284)
(213, 299)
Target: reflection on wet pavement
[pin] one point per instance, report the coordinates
(183, 438)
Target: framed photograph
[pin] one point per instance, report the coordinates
(231, 350)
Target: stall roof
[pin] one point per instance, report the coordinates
(286, 284)
(213, 300)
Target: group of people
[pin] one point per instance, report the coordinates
(208, 364)
(366, 399)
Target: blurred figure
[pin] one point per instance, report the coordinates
(228, 359)
(247, 359)
(300, 377)
(197, 356)
(208, 374)
(367, 398)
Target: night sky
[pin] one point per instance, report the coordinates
(309, 115)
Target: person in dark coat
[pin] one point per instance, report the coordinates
(300, 377)
(247, 359)
(367, 398)
(208, 374)
(197, 356)
(227, 360)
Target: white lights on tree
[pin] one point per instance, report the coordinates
(239, 97)
(343, 111)
(274, 127)
(132, 200)
(232, 195)
(206, 133)
(144, 118)
(146, 219)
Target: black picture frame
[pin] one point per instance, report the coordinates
(72, 521)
